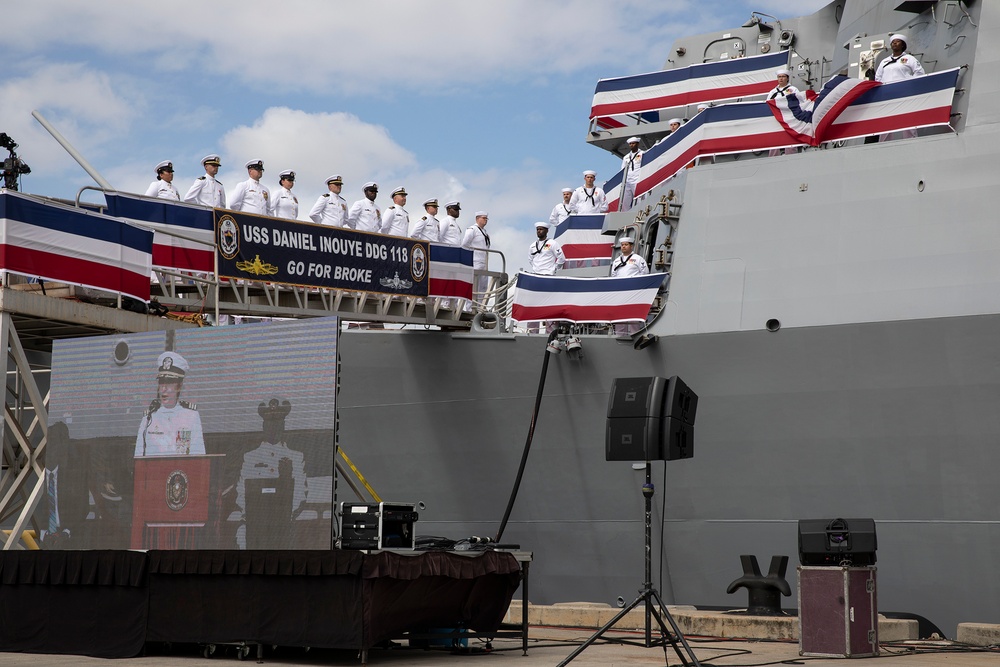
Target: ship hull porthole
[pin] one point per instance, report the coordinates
(772, 325)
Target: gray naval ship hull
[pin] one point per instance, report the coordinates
(896, 420)
(877, 396)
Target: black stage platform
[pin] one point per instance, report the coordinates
(110, 603)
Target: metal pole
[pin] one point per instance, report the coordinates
(72, 151)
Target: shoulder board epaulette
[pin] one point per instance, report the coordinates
(202, 178)
(391, 207)
(327, 194)
(188, 405)
(424, 218)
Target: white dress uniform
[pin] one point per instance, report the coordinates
(546, 256)
(206, 191)
(451, 231)
(330, 209)
(560, 213)
(588, 201)
(395, 221)
(250, 196)
(169, 431)
(478, 240)
(285, 205)
(364, 216)
(262, 463)
(892, 69)
(163, 190)
(427, 228)
(631, 164)
(629, 265)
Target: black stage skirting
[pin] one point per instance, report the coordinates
(109, 603)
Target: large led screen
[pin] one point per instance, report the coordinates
(214, 438)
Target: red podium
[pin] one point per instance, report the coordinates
(176, 502)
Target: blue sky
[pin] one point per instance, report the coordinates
(483, 102)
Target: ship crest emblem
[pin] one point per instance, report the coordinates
(418, 263)
(229, 237)
(177, 490)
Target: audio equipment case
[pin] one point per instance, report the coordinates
(838, 611)
(376, 526)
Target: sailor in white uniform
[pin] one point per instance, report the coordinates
(782, 89)
(898, 66)
(588, 199)
(206, 190)
(284, 204)
(631, 164)
(561, 211)
(545, 254)
(477, 240)
(170, 426)
(331, 209)
(674, 124)
(162, 187)
(395, 219)
(428, 227)
(271, 460)
(251, 196)
(451, 231)
(628, 263)
(364, 216)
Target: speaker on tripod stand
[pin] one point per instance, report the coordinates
(649, 419)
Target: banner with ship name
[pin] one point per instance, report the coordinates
(585, 300)
(289, 252)
(177, 229)
(753, 126)
(72, 245)
(704, 82)
(581, 238)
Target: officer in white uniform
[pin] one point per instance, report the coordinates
(588, 199)
(364, 216)
(545, 254)
(477, 240)
(562, 210)
(631, 164)
(428, 227)
(331, 209)
(899, 66)
(395, 219)
(170, 426)
(284, 204)
(266, 462)
(162, 187)
(451, 231)
(251, 196)
(205, 190)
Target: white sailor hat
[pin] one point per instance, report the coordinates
(166, 165)
(782, 71)
(431, 202)
(702, 107)
(288, 173)
(570, 190)
(335, 179)
(370, 185)
(901, 37)
(590, 172)
(541, 224)
(632, 140)
(674, 120)
(453, 204)
(256, 164)
(482, 214)
(171, 366)
(212, 159)
(626, 239)
(398, 191)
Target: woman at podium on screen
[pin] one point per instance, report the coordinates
(170, 427)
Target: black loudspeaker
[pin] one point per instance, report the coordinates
(837, 541)
(650, 419)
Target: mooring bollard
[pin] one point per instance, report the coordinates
(764, 591)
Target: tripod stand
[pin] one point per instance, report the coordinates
(647, 595)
